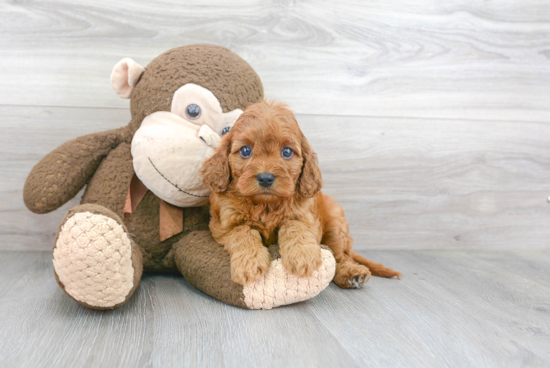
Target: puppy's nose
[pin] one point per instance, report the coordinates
(265, 179)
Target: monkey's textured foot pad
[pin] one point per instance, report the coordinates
(279, 287)
(93, 258)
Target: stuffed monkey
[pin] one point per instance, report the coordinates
(145, 207)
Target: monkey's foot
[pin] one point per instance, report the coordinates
(279, 287)
(94, 260)
(206, 265)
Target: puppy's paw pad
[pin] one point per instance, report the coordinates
(351, 276)
(358, 281)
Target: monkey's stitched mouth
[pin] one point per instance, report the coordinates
(174, 185)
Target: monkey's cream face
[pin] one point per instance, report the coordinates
(169, 147)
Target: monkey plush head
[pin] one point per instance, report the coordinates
(181, 105)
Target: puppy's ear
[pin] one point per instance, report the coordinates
(215, 171)
(310, 180)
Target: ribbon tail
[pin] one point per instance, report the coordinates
(171, 220)
(136, 192)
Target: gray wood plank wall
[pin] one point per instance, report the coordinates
(431, 118)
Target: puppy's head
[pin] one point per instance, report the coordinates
(265, 157)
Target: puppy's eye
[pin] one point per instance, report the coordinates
(287, 153)
(193, 111)
(246, 152)
(226, 130)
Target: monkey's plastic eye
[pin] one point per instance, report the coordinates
(287, 152)
(226, 130)
(193, 111)
(246, 152)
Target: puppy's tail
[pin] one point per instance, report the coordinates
(377, 269)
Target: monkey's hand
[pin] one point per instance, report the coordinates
(210, 137)
(63, 172)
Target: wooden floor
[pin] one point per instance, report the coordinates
(451, 309)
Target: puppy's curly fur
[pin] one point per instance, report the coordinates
(247, 216)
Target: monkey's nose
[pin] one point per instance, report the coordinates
(265, 179)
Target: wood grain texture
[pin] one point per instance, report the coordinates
(451, 59)
(404, 183)
(452, 309)
(431, 120)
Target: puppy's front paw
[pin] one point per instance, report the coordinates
(302, 260)
(246, 267)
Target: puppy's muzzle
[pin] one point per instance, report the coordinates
(265, 179)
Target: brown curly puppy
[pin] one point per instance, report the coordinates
(266, 189)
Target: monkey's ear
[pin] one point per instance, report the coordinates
(125, 76)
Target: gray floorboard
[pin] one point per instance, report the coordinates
(452, 309)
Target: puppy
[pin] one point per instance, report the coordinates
(265, 185)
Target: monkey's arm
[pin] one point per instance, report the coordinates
(63, 172)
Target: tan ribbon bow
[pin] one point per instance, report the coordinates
(170, 216)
